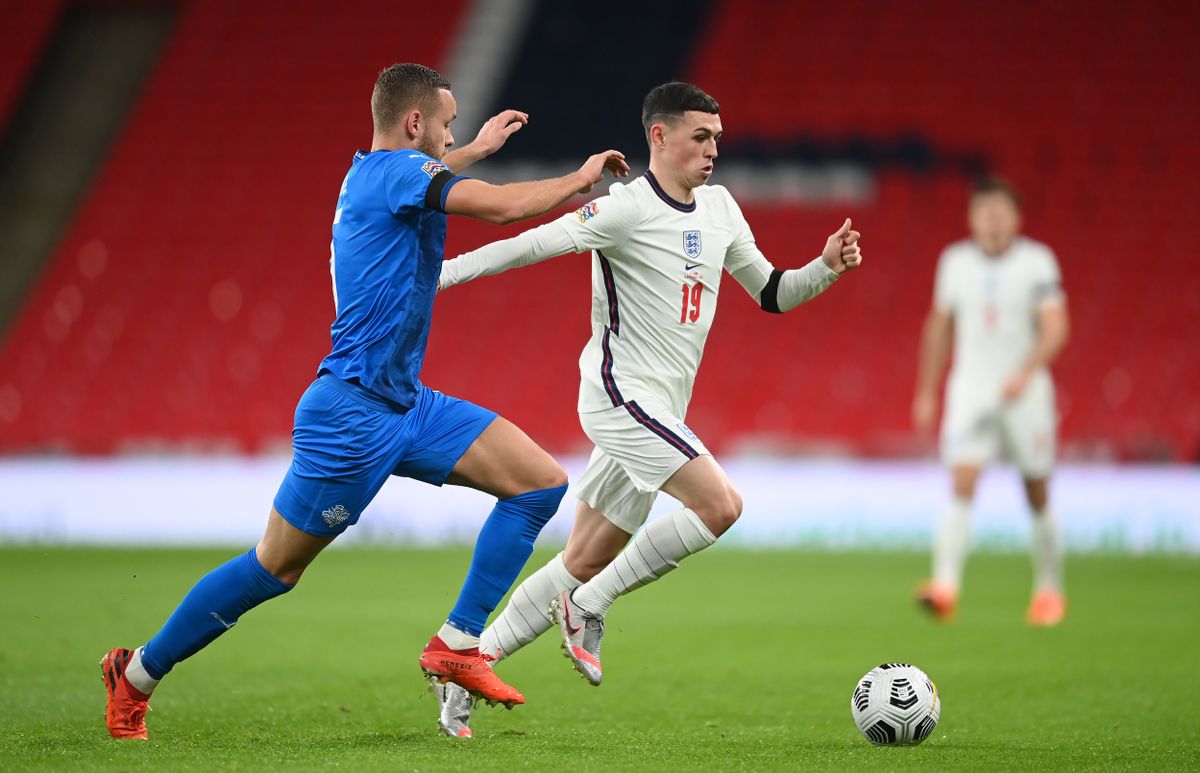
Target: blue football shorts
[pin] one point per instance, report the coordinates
(347, 441)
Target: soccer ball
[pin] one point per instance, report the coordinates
(895, 704)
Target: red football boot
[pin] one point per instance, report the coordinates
(1048, 608)
(127, 706)
(938, 599)
(469, 670)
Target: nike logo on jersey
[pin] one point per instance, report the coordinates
(690, 266)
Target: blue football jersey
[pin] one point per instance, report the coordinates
(389, 234)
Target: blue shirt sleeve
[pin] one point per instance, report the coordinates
(417, 181)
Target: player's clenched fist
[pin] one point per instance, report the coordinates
(593, 169)
(842, 252)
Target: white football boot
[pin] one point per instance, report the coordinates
(581, 635)
(455, 703)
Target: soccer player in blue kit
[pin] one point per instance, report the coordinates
(367, 416)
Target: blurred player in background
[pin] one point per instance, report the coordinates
(659, 246)
(1001, 295)
(367, 416)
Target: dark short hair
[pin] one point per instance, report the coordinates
(990, 185)
(400, 88)
(670, 101)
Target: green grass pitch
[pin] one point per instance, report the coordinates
(739, 660)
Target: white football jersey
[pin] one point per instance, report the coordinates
(656, 276)
(994, 302)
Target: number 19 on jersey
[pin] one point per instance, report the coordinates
(691, 303)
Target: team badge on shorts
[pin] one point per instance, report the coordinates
(434, 168)
(691, 244)
(686, 430)
(336, 515)
(587, 211)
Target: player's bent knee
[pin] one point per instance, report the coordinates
(288, 577)
(282, 569)
(286, 569)
(721, 515)
(555, 476)
(964, 484)
(548, 475)
(586, 561)
(582, 567)
(737, 502)
(964, 490)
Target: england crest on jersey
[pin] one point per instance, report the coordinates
(691, 244)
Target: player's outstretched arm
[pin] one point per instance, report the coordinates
(532, 246)
(492, 136)
(510, 203)
(779, 291)
(601, 224)
(931, 364)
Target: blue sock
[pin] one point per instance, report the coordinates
(209, 609)
(502, 549)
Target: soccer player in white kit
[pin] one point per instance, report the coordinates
(659, 246)
(1000, 294)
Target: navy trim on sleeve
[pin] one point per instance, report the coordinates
(439, 186)
(769, 298)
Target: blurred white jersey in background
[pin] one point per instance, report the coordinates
(994, 302)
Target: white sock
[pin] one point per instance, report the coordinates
(656, 550)
(527, 614)
(456, 639)
(1046, 548)
(137, 676)
(950, 544)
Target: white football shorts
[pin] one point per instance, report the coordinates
(639, 446)
(977, 427)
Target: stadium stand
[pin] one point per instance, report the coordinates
(1063, 116)
(23, 36)
(1102, 186)
(187, 306)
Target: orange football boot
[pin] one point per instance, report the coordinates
(469, 670)
(127, 706)
(1048, 608)
(938, 599)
